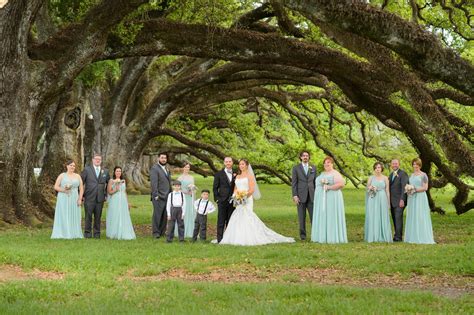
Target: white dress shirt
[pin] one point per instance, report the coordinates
(178, 201)
(163, 167)
(200, 207)
(229, 175)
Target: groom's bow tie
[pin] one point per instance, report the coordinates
(228, 171)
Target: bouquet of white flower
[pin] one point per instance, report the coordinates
(192, 187)
(410, 189)
(67, 188)
(372, 191)
(325, 183)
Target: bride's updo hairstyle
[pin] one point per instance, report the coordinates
(246, 163)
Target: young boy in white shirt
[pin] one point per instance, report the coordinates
(176, 210)
(203, 207)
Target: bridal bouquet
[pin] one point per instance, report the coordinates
(239, 197)
(372, 191)
(410, 189)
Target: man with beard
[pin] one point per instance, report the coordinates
(160, 179)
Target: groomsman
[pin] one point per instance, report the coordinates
(160, 180)
(95, 180)
(398, 198)
(302, 186)
(223, 188)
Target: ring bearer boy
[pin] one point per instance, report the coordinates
(176, 210)
(203, 207)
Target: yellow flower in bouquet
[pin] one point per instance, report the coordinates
(239, 197)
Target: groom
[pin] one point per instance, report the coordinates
(223, 187)
(302, 186)
(398, 198)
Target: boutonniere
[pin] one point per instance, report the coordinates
(311, 170)
(234, 174)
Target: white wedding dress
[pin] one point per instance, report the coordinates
(245, 228)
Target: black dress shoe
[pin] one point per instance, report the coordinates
(97, 236)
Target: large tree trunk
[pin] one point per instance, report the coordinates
(18, 106)
(28, 87)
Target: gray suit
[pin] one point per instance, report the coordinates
(397, 193)
(160, 188)
(302, 185)
(94, 196)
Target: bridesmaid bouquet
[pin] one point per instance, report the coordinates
(239, 198)
(324, 182)
(118, 183)
(67, 188)
(410, 189)
(192, 187)
(372, 191)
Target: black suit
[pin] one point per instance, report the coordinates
(95, 189)
(160, 188)
(223, 190)
(397, 193)
(302, 185)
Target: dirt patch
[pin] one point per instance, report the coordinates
(15, 273)
(445, 285)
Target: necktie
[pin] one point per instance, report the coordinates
(305, 169)
(164, 169)
(97, 172)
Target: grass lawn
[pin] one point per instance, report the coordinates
(40, 275)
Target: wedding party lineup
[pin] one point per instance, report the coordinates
(180, 210)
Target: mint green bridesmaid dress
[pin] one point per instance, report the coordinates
(377, 215)
(329, 222)
(67, 216)
(118, 223)
(418, 228)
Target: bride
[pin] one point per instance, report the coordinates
(244, 227)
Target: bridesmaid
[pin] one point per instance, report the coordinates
(377, 208)
(329, 222)
(188, 188)
(119, 225)
(418, 225)
(67, 216)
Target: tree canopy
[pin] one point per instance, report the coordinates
(357, 80)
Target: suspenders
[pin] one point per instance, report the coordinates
(182, 199)
(205, 207)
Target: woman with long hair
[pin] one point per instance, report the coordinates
(118, 223)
